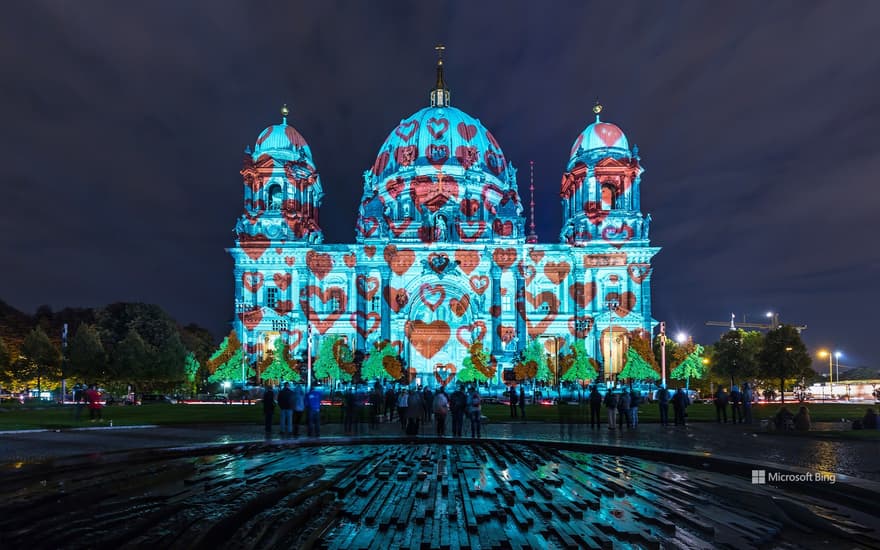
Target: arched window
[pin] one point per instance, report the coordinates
(275, 197)
(609, 196)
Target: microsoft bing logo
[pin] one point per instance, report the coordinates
(759, 477)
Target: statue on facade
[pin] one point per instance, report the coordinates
(647, 226)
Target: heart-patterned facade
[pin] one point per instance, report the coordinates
(441, 258)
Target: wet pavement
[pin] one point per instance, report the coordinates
(859, 459)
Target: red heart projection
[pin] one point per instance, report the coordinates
(294, 338)
(399, 260)
(437, 155)
(557, 271)
(469, 207)
(437, 127)
(491, 196)
(427, 338)
(250, 319)
(459, 306)
(618, 236)
(577, 143)
(369, 251)
(582, 293)
(468, 334)
(252, 280)
(320, 264)
(406, 155)
(381, 163)
(371, 322)
(479, 283)
(445, 374)
(294, 137)
(397, 298)
(396, 229)
(626, 302)
(638, 272)
(470, 231)
(290, 260)
(283, 307)
(504, 257)
(265, 135)
(495, 310)
(432, 296)
(536, 255)
(278, 250)
(506, 333)
(503, 291)
(350, 260)
(300, 174)
(466, 131)
(254, 245)
(581, 325)
(406, 130)
(502, 229)
(536, 300)
(526, 271)
(324, 296)
(466, 156)
(468, 260)
(394, 187)
(495, 162)
(282, 280)
(432, 193)
(595, 213)
(608, 133)
(367, 226)
(438, 261)
(367, 286)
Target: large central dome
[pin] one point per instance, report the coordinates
(440, 176)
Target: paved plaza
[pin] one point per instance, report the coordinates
(524, 485)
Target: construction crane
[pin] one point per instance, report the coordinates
(772, 325)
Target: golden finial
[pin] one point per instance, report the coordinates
(440, 95)
(440, 49)
(284, 111)
(597, 108)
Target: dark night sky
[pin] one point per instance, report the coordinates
(123, 126)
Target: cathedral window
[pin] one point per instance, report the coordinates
(336, 301)
(375, 303)
(275, 198)
(271, 297)
(279, 324)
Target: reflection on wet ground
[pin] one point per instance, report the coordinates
(415, 494)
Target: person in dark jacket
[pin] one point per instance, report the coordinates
(268, 407)
(512, 392)
(313, 402)
(747, 396)
(299, 405)
(390, 403)
(595, 407)
(735, 405)
(680, 402)
(623, 409)
(458, 406)
(663, 403)
(611, 402)
(721, 399)
(285, 403)
(635, 399)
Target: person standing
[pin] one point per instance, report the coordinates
(299, 405)
(441, 409)
(93, 400)
(390, 403)
(415, 411)
(611, 402)
(427, 400)
(680, 402)
(663, 403)
(595, 407)
(268, 407)
(623, 410)
(635, 399)
(735, 401)
(522, 402)
(513, 402)
(402, 406)
(721, 399)
(313, 401)
(747, 396)
(285, 403)
(475, 410)
(458, 404)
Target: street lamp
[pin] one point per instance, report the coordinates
(822, 354)
(681, 338)
(837, 355)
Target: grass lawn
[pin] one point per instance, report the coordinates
(53, 416)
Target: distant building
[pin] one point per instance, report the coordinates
(441, 256)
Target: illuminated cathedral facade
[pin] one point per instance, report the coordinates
(441, 256)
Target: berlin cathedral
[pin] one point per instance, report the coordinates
(442, 257)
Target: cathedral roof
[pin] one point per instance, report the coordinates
(281, 141)
(599, 140)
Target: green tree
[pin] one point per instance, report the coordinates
(278, 368)
(636, 367)
(131, 360)
(87, 359)
(374, 365)
(167, 368)
(784, 357)
(736, 354)
(478, 365)
(690, 366)
(671, 346)
(191, 367)
(4, 356)
(332, 354)
(581, 368)
(228, 362)
(42, 357)
(534, 351)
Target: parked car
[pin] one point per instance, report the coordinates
(152, 398)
